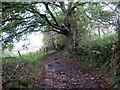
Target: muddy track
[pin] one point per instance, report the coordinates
(60, 74)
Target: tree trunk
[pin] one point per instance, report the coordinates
(71, 24)
(70, 41)
(99, 32)
(118, 50)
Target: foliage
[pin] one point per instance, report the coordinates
(99, 54)
(77, 25)
(99, 49)
(24, 82)
(11, 85)
(58, 40)
(61, 40)
(22, 18)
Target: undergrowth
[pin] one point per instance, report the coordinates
(99, 54)
(19, 73)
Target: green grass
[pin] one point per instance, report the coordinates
(25, 76)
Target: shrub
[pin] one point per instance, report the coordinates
(24, 82)
(98, 53)
(11, 85)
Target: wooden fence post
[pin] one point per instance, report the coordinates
(21, 58)
(20, 55)
(31, 55)
(37, 52)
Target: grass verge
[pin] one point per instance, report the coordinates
(22, 74)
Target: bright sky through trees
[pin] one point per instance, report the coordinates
(34, 41)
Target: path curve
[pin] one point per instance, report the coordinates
(60, 74)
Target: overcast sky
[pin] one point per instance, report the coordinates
(34, 40)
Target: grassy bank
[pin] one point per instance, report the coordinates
(24, 73)
(99, 58)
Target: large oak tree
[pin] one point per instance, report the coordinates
(21, 18)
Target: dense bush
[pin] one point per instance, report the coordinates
(101, 51)
(24, 82)
(98, 54)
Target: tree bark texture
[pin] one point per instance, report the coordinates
(71, 24)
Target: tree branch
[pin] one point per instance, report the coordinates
(6, 28)
(53, 17)
(62, 6)
(15, 18)
(95, 19)
(44, 17)
(77, 4)
(111, 7)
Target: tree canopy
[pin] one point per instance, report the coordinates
(67, 18)
(83, 28)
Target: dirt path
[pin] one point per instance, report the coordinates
(60, 74)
